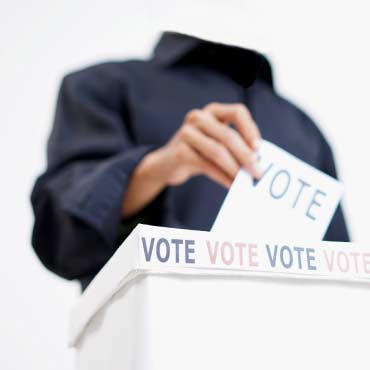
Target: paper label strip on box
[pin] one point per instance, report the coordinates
(179, 249)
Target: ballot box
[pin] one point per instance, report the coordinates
(181, 299)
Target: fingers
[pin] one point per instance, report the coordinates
(221, 150)
(239, 115)
(211, 150)
(203, 166)
(214, 173)
(229, 138)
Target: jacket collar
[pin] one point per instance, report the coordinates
(242, 65)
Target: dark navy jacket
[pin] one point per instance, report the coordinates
(110, 115)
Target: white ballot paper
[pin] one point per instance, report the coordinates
(291, 201)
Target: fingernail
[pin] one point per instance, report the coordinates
(257, 144)
(257, 170)
(254, 157)
(252, 163)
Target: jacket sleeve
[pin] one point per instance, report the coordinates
(91, 155)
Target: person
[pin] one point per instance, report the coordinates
(159, 141)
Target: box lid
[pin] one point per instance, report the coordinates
(151, 249)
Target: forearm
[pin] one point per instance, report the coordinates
(146, 183)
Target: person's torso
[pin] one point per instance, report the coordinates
(159, 98)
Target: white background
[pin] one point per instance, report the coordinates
(320, 55)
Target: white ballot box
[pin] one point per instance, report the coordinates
(181, 299)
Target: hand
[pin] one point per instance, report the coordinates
(204, 144)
